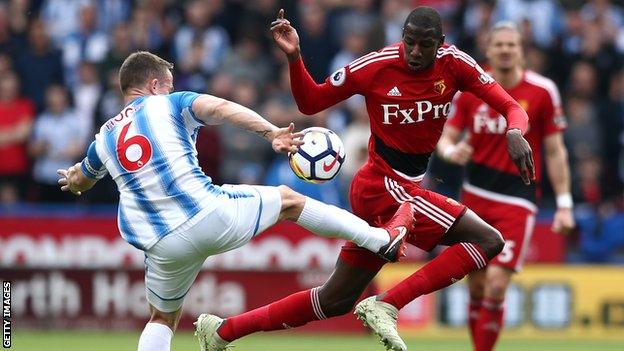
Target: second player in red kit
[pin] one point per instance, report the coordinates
(408, 88)
(493, 187)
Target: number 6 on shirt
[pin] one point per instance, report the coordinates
(133, 153)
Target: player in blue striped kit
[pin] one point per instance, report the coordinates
(173, 212)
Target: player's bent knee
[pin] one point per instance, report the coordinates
(499, 242)
(290, 196)
(292, 202)
(493, 242)
(284, 190)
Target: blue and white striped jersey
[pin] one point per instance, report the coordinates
(149, 150)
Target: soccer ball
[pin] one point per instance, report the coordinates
(320, 158)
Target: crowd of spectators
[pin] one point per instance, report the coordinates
(59, 61)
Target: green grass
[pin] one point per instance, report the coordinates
(117, 341)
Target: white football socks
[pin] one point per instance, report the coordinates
(333, 222)
(155, 337)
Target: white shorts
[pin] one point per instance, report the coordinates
(172, 264)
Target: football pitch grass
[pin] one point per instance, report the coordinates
(184, 341)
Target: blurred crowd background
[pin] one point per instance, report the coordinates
(58, 84)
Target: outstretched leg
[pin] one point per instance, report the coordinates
(331, 221)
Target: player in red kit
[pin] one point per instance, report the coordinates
(493, 188)
(408, 88)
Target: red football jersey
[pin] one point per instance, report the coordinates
(407, 109)
(491, 167)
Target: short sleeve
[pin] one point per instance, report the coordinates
(458, 117)
(183, 99)
(183, 104)
(554, 120)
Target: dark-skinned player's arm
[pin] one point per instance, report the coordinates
(517, 125)
(310, 97)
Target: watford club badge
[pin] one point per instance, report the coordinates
(439, 86)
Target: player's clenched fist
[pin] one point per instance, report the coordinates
(563, 221)
(285, 36)
(522, 155)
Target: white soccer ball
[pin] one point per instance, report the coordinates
(320, 157)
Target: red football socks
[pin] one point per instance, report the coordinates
(290, 312)
(474, 308)
(450, 266)
(489, 324)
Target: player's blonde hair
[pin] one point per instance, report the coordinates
(504, 25)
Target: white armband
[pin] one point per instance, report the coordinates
(565, 201)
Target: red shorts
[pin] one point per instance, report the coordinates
(515, 223)
(375, 197)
